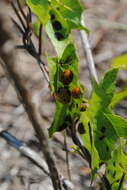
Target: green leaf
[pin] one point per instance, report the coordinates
(109, 80)
(104, 136)
(60, 114)
(40, 8)
(72, 10)
(69, 61)
(117, 165)
(120, 62)
(52, 64)
(68, 55)
(119, 124)
(59, 45)
(118, 97)
(102, 130)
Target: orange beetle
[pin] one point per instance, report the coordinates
(76, 92)
(66, 77)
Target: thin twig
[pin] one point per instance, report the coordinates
(31, 155)
(87, 49)
(17, 25)
(40, 40)
(21, 10)
(44, 73)
(121, 181)
(67, 156)
(77, 142)
(18, 15)
(27, 41)
(30, 14)
(22, 147)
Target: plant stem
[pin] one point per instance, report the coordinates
(87, 50)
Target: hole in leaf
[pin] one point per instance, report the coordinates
(67, 60)
(101, 163)
(102, 137)
(114, 163)
(114, 174)
(57, 25)
(64, 95)
(103, 129)
(107, 148)
(118, 180)
(66, 123)
(52, 17)
(81, 129)
(59, 36)
(77, 106)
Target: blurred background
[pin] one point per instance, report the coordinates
(107, 22)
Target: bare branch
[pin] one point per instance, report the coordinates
(87, 49)
(32, 156)
(20, 8)
(40, 41)
(26, 37)
(18, 15)
(67, 157)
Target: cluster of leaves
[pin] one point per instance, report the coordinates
(103, 133)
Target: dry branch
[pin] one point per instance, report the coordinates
(31, 155)
(88, 52)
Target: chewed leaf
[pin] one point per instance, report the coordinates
(59, 45)
(68, 55)
(40, 8)
(103, 92)
(120, 62)
(103, 134)
(60, 115)
(119, 124)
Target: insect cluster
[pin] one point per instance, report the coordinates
(67, 89)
